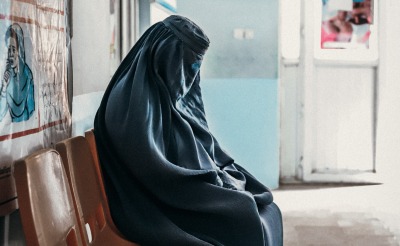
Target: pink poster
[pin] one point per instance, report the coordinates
(346, 24)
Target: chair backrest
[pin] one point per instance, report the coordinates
(87, 194)
(91, 140)
(47, 211)
(89, 135)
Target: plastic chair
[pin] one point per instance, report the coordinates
(91, 140)
(47, 211)
(87, 193)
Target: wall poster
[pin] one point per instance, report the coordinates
(346, 24)
(34, 110)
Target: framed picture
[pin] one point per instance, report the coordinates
(346, 30)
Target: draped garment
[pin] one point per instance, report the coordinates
(167, 179)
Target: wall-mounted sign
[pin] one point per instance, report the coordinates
(346, 31)
(33, 89)
(346, 24)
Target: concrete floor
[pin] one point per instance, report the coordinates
(366, 215)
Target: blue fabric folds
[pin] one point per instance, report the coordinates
(167, 179)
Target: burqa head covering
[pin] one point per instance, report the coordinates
(167, 179)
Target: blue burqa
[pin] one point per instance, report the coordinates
(167, 179)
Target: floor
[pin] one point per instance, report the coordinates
(367, 215)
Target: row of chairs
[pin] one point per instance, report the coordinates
(61, 196)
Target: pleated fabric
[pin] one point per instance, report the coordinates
(167, 179)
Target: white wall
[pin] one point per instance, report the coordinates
(388, 132)
(91, 60)
(90, 46)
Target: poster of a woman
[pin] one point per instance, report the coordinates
(17, 87)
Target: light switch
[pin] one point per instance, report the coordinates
(249, 34)
(238, 33)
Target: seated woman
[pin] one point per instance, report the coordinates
(167, 179)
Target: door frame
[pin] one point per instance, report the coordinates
(297, 95)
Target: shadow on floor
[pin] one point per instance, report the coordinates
(324, 227)
(345, 214)
(319, 186)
